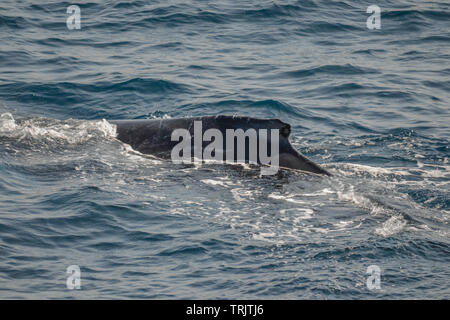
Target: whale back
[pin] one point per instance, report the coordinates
(154, 136)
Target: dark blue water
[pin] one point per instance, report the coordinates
(371, 106)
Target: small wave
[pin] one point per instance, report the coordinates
(348, 169)
(69, 131)
(392, 226)
(178, 18)
(416, 15)
(175, 15)
(14, 23)
(347, 69)
(276, 10)
(7, 122)
(422, 40)
(127, 4)
(138, 85)
(262, 108)
(324, 27)
(144, 86)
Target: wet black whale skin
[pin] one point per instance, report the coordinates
(153, 136)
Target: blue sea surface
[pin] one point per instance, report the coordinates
(370, 106)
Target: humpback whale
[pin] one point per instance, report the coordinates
(155, 137)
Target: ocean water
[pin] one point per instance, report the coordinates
(370, 106)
